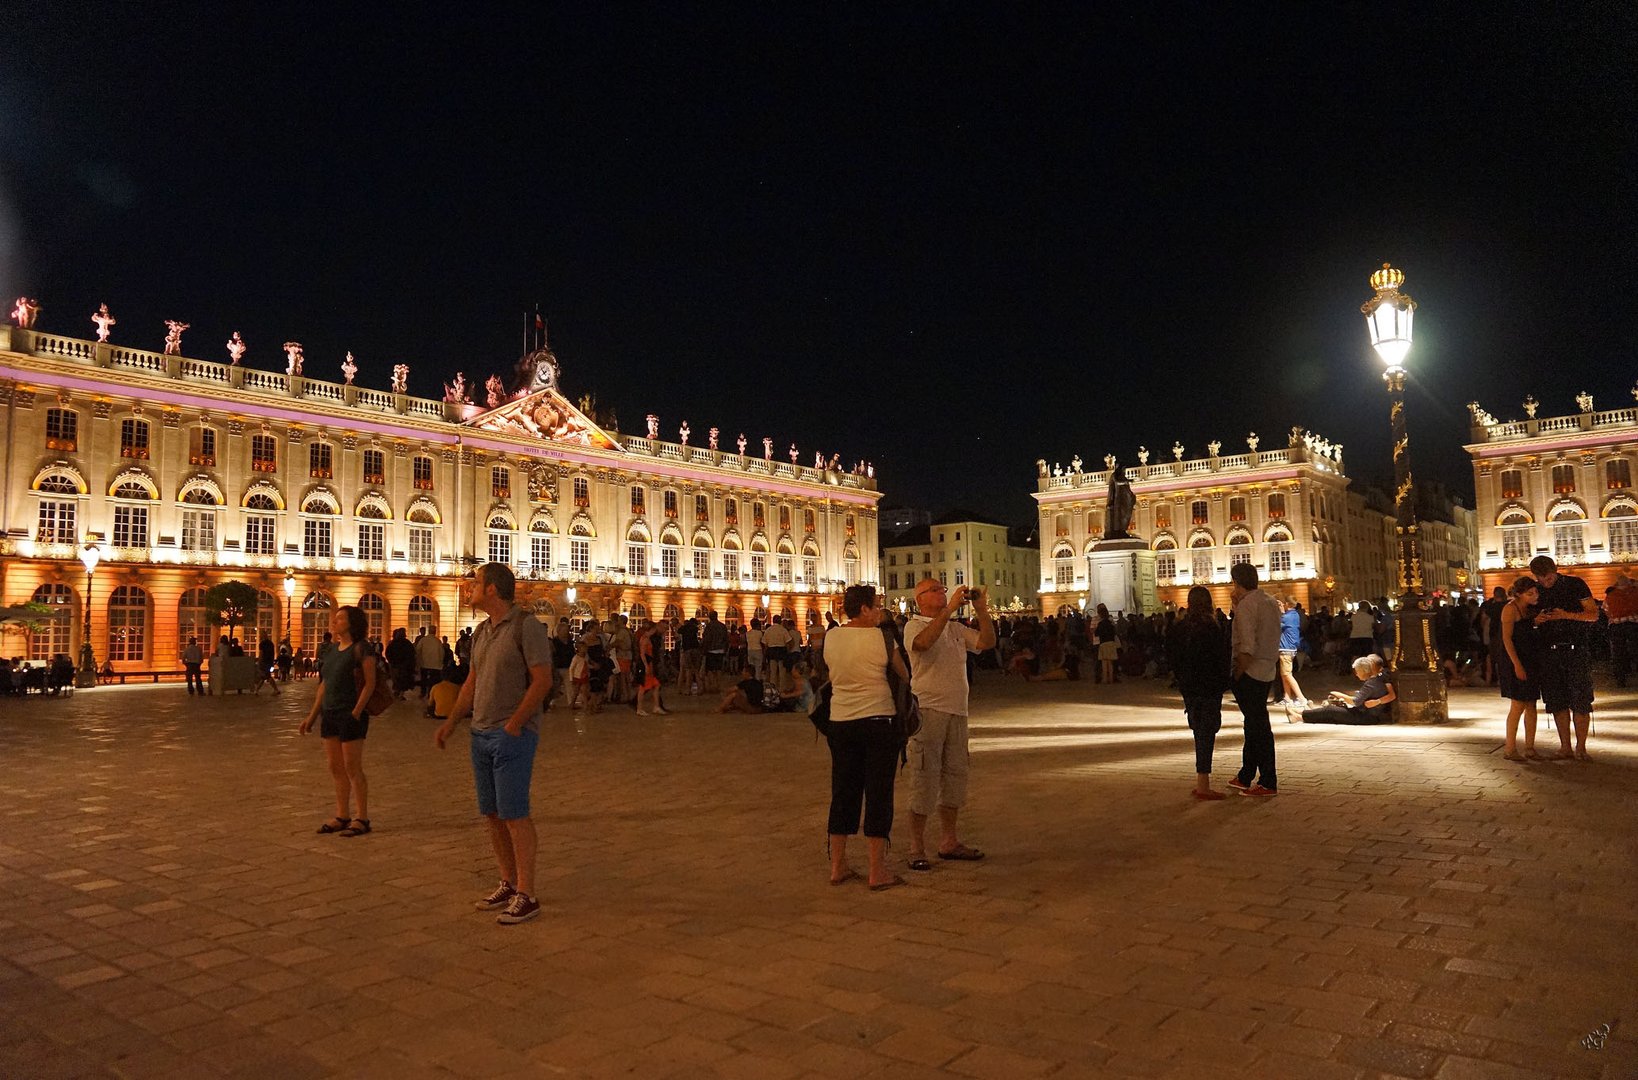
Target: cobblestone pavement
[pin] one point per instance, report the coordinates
(1411, 905)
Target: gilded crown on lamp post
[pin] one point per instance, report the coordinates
(1387, 278)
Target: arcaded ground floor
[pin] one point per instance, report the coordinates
(1410, 905)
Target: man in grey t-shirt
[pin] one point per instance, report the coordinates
(510, 677)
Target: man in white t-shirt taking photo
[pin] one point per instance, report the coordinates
(938, 752)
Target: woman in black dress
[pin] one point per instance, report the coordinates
(1516, 668)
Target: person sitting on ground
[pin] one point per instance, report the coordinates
(441, 698)
(1370, 704)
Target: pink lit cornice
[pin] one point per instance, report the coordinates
(434, 431)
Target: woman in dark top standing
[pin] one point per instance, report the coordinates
(340, 701)
(1517, 665)
(1199, 653)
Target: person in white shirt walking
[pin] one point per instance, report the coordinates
(938, 752)
(1256, 647)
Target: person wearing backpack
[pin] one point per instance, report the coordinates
(939, 647)
(347, 682)
(863, 745)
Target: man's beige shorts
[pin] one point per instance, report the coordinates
(938, 763)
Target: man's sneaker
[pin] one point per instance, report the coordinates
(498, 899)
(1239, 785)
(1257, 791)
(521, 909)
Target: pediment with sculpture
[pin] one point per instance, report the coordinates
(547, 415)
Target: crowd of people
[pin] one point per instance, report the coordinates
(19, 676)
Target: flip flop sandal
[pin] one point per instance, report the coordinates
(962, 854)
(334, 825)
(884, 886)
(357, 827)
(845, 878)
(920, 863)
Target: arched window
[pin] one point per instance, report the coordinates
(201, 493)
(374, 507)
(1063, 566)
(637, 614)
(423, 611)
(1621, 523)
(541, 528)
(1200, 557)
(734, 615)
(1617, 474)
(581, 535)
(317, 530)
(1239, 545)
(500, 529)
(267, 619)
(544, 611)
(191, 622)
(1566, 519)
(374, 607)
(263, 496)
(130, 520)
(128, 624)
(315, 620)
(1165, 542)
(423, 512)
(53, 635)
(670, 555)
(60, 480)
(850, 563)
(580, 613)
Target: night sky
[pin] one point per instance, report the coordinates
(949, 238)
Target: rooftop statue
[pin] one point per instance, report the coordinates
(1584, 401)
(793, 454)
(495, 391)
(25, 311)
(1252, 440)
(711, 437)
(1214, 446)
(400, 378)
(293, 358)
(455, 392)
(1117, 516)
(653, 425)
(173, 337)
(684, 432)
(1143, 455)
(104, 321)
(1177, 451)
(767, 449)
(236, 348)
(349, 368)
(1108, 461)
(742, 444)
(1041, 467)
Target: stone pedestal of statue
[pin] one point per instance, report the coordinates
(349, 394)
(236, 376)
(1121, 576)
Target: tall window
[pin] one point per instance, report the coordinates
(422, 471)
(500, 482)
(1563, 479)
(259, 531)
(1166, 565)
(730, 565)
(1617, 473)
(133, 439)
(960, 576)
(315, 620)
(759, 567)
(669, 502)
(730, 511)
(202, 447)
(128, 624)
(319, 461)
(1199, 512)
(1276, 505)
(668, 561)
(191, 622)
(1237, 508)
(783, 569)
(784, 519)
(500, 540)
(264, 453)
(317, 537)
(810, 570)
(702, 563)
(375, 613)
(1569, 544)
(1623, 536)
(1163, 515)
(372, 541)
(52, 636)
(1512, 484)
(1517, 545)
(580, 556)
(540, 551)
(198, 530)
(636, 557)
(1063, 568)
(62, 430)
(422, 612)
(702, 508)
(1279, 558)
(130, 522)
(375, 467)
(582, 491)
(759, 515)
(638, 501)
(57, 522)
(420, 545)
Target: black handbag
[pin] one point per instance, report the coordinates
(820, 714)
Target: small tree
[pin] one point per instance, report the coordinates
(231, 603)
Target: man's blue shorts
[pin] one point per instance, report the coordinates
(501, 767)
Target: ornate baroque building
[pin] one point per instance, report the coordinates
(1289, 512)
(1559, 486)
(185, 473)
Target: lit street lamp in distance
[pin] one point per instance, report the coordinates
(90, 556)
(1419, 685)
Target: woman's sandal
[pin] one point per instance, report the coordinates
(356, 827)
(334, 825)
(919, 863)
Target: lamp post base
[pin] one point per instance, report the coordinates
(1420, 697)
(86, 675)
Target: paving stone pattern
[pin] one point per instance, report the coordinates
(1411, 905)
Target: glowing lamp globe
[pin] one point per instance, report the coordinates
(90, 555)
(1388, 316)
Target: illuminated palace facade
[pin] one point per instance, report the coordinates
(185, 473)
(1559, 486)
(1289, 512)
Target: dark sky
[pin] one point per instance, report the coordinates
(949, 238)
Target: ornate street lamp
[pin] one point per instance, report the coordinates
(1417, 680)
(289, 594)
(90, 555)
